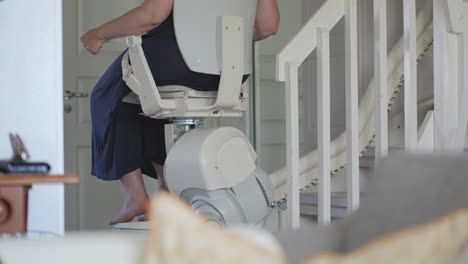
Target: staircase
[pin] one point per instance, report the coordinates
(367, 122)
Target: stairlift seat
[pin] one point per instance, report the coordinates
(176, 91)
(192, 103)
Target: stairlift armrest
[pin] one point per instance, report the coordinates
(139, 78)
(232, 50)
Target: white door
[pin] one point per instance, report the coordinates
(94, 202)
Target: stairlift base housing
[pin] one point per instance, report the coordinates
(215, 171)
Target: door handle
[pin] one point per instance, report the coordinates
(68, 95)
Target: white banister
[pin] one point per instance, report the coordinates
(304, 42)
(352, 115)
(381, 75)
(411, 100)
(362, 118)
(323, 119)
(292, 145)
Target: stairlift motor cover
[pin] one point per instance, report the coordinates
(209, 159)
(243, 204)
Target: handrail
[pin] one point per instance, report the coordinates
(305, 41)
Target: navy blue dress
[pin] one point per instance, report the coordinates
(122, 139)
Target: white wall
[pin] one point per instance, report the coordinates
(31, 97)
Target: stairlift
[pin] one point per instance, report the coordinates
(163, 103)
(214, 169)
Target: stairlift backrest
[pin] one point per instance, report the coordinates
(198, 31)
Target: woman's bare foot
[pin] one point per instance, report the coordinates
(131, 208)
(137, 198)
(143, 218)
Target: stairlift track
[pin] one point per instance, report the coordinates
(309, 163)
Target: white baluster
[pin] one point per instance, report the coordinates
(352, 114)
(292, 145)
(323, 118)
(381, 76)
(411, 88)
(464, 106)
(445, 81)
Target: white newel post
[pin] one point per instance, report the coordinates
(292, 145)
(381, 76)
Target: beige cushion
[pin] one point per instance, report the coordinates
(444, 240)
(179, 235)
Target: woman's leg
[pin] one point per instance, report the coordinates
(159, 169)
(137, 197)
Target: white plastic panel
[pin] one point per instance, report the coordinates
(198, 31)
(209, 159)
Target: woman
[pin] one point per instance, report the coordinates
(126, 144)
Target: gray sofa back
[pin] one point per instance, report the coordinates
(404, 190)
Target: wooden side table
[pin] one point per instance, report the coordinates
(14, 197)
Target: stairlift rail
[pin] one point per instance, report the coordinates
(301, 178)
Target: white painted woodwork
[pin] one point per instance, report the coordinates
(323, 118)
(455, 16)
(411, 114)
(352, 105)
(445, 81)
(292, 145)
(426, 134)
(31, 98)
(380, 75)
(304, 42)
(463, 121)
